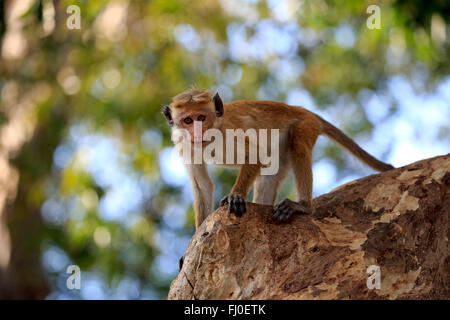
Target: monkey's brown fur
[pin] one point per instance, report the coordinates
(299, 129)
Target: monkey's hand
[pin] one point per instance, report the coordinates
(236, 204)
(283, 211)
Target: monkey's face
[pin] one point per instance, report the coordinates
(196, 122)
(194, 118)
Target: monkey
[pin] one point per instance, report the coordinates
(298, 130)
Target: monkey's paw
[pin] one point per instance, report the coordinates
(283, 211)
(236, 204)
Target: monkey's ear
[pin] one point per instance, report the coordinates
(219, 105)
(166, 111)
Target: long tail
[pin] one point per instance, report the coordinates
(339, 137)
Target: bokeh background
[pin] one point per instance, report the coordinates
(88, 175)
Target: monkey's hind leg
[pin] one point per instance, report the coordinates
(266, 187)
(302, 140)
(285, 209)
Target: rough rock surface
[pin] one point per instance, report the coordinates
(397, 220)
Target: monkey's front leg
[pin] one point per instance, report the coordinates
(236, 204)
(203, 189)
(236, 199)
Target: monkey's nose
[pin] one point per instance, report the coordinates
(198, 137)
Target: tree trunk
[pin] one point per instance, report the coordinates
(396, 222)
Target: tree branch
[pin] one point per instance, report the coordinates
(397, 221)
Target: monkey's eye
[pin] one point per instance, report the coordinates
(201, 118)
(188, 120)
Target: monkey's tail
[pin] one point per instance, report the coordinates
(339, 137)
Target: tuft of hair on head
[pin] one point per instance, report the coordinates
(191, 96)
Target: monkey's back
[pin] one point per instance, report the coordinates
(264, 114)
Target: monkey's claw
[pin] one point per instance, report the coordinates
(283, 211)
(236, 204)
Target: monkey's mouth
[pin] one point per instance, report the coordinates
(198, 143)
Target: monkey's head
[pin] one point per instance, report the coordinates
(191, 106)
